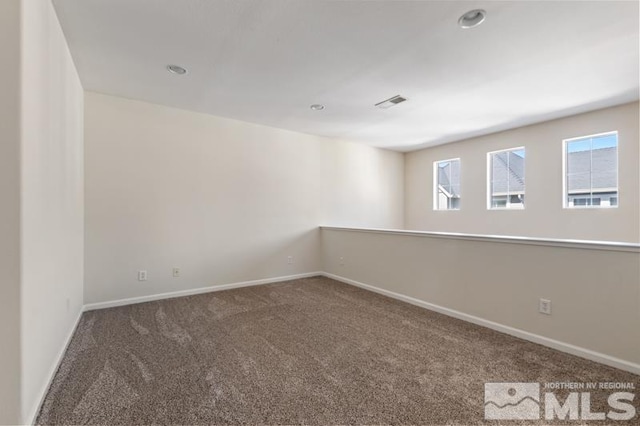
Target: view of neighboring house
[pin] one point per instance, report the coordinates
(592, 178)
(448, 193)
(507, 179)
(591, 175)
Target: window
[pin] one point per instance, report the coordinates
(506, 179)
(446, 192)
(591, 171)
(586, 201)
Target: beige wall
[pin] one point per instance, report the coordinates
(223, 200)
(595, 294)
(10, 212)
(544, 216)
(228, 201)
(52, 198)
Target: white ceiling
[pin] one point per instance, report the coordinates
(266, 61)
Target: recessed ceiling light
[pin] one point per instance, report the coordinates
(317, 107)
(176, 69)
(473, 18)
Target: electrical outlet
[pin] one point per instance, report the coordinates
(142, 275)
(290, 260)
(544, 307)
(341, 261)
(176, 272)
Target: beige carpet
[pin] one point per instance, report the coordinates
(310, 351)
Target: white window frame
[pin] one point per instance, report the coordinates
(508, 206)
(565, 189)
(435, 184)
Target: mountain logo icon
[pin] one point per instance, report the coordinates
(511, 401)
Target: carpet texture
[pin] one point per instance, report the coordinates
(310, 351)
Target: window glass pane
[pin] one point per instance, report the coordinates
(592, 171)
(579, 145)
(578, 161)
(519, 152)
(455, 177)
(605, 141)
(603, 181)
(499, 201)
(579, 183)
(516, 199)
(447, 188)
(507, 178)
(498, 190)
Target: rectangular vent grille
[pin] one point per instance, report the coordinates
(391, 102)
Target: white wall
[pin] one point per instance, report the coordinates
(595, 294)
(543, 216)
(10, 212)
(223, 200)
(52, 198)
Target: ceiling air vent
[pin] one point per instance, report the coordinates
(391, 102)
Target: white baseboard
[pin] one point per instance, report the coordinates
(52, 372)
(535, 338)
(191, 292)
(545, 341)
(122, 302)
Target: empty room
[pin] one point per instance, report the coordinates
(277, 212)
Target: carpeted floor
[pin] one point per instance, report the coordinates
(312, 351)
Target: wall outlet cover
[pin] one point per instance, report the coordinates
(544, 306)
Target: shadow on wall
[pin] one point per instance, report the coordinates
(272, 257)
